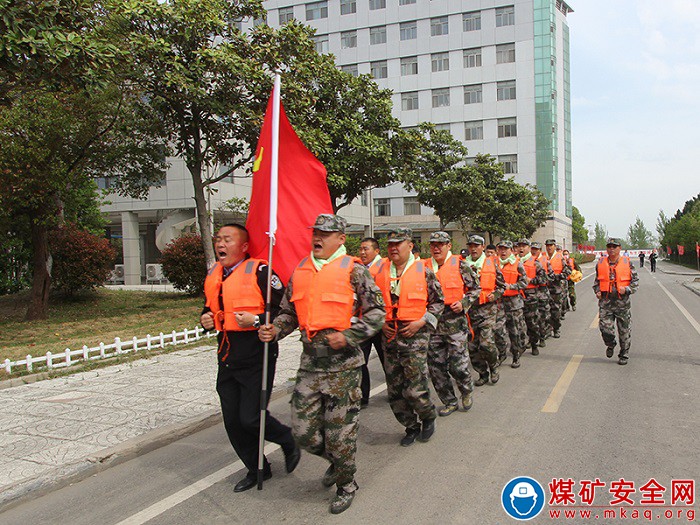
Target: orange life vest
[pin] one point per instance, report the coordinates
(511, 275)
(240, 293)
(487, 279)
(451, 280)
(413, 300)
(557, 262)
(531, 272)
(623, 274)
(323, 298)
(374, 267)
(570, 264)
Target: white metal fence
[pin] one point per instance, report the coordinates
(71, 357)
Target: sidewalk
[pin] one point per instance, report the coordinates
(676, 269)
(62, 430)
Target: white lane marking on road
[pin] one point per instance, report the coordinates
(587, 276)
(203, 484)
(596, 321)
(685, 312)
(559, 390)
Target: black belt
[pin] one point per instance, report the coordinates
(322, 350)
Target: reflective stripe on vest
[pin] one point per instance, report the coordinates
(623, 274)
(239, 293)
(487, 279)
(531, 272)
(413, 301)
(451, 280)
(510, 275)
(374, 268)
(323, 298)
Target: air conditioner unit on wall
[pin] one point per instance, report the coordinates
(154, 272)
(117, 274)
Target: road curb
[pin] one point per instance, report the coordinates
(692, 288)
(65, 475)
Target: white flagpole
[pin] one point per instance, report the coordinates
(274, 173)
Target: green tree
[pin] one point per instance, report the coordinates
(661, 224)
(638, 236)
(600, 238)
(578, 229)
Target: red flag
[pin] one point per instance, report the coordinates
(697, 249)
(668, 250)
(681, 249)
(302, 195)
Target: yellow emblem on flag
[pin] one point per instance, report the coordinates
(258, 159)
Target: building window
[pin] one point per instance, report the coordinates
(472, 57)
(471, 21)
(348, 7)
(505, 90)
(411, 206)
(286, 14)
(472, 94)
(377, 35)
(382, 208)
(510, 163)
(507, 127)
(316, 11)
(409, 30)
(350, 68)
(409, 66)
(443, 127)
(321, 43)
(348, 39)
(379, 69)
(406, 2)
(440, 62)
(505, 16)
(441, 97)
(474, 130)
(377, 4)
(409, 100)
(439, 26)
(505, 53)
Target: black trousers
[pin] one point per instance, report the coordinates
(239, 393)
(366, 349)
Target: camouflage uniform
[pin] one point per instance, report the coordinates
(515, 320)
(531, 309)
(447, 353)
(556, 295)
(544, 300)
(326, 397)
(482, 348)
(405, 363)
(613, 308)
(500, 332)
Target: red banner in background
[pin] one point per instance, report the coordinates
(681, 249)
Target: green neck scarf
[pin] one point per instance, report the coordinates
(395, 283)
(509, 260)
(478, 263)
(435, 264)
(525, 258)
(320, 263)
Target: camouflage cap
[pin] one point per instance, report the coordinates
(505, 244)
(524, 241)
(400, 235)
(476, 239)
(536, 245)
(329, 223)
(440, 237)
(558, 247)
(550, 241)
(614, 241)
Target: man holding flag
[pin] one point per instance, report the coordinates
(334, 301)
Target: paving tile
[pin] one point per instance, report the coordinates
(113, 436)
(67, 429)
(26, 446)
(64, 453)
(18, 470)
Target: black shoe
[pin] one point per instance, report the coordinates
(494, 376)
(248, 483)
(343, 500)
(542, 343)
(535, 350)
(410, 437)
(609, 351)
(622, 360)
(516, 362)
(428, 430)
(482, 380)
(291, 460)
(329, 476)
(364, 403)
(556, 334)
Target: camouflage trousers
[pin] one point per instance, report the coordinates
(448, 359)
(615, 311)
(555, 306)
(571, 289)
(543, 300)
(531, 312)
(406, 368)
(500, 332)
(517, 330)
(325, 412)
(482, 348)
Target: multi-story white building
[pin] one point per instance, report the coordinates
(493, 72)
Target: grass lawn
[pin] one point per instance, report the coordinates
(91, 319)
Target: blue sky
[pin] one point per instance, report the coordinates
(635, 82)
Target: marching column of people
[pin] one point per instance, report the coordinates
(434, 318)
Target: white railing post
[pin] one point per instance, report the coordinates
(49, 360)
(148, 342)
(8, 366)
(67, 352)
(118, 345)
(102, 350)
(162, 340)
(136, 345)
(196, 333)
(187, 336)
(86, 353)
(174, 336)
(29, 362)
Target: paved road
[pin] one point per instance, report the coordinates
(568, 413)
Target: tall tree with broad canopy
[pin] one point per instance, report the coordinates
(600, 238)
(579, 233)
(638, 236)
